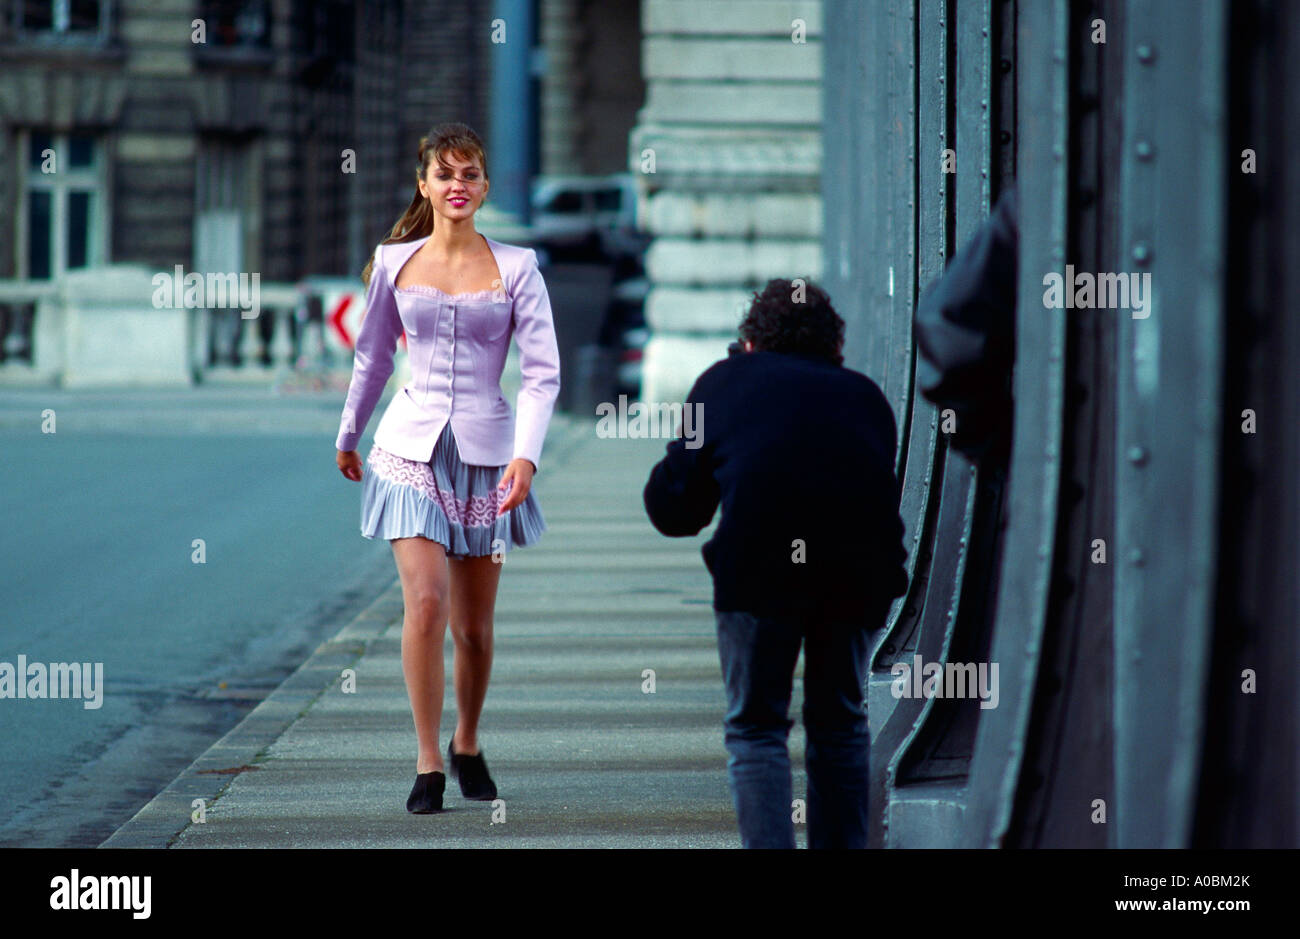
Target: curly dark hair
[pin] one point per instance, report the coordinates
(798, 318)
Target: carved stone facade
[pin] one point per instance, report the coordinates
(591, 84)
(727, 150)
(223, 143)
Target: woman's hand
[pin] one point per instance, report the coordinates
(350, 464)
(519, 478)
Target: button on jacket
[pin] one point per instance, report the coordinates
(457, 346)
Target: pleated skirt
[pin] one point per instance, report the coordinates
(444, 500)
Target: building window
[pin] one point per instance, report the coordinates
(223, 201)
(236, 23)
(63, 192)
(61, 22)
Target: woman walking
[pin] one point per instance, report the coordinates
(448, 479)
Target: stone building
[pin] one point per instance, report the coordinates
(591, 84)
(276, 137)
(211, 133)
(727, 149)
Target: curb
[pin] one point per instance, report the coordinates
(162, 820)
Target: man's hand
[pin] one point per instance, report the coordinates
(518, 478)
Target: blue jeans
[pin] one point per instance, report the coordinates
(758, 661)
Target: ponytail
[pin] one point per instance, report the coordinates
(416, 222)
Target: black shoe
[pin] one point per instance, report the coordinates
(472, 773)
(426, 796)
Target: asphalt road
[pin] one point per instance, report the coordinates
(96, 565)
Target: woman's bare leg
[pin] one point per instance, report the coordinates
(473, 601)
(422, 565)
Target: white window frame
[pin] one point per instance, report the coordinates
(59, 184)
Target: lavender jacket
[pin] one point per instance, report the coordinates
(457, 346)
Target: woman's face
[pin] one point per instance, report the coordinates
(455, 190)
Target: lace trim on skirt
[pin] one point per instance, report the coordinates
(445, 500)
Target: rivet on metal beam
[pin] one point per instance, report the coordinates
(1146, 53)
(1137, 455)
(1142, 253)
(1144, 150)
(1137, 557)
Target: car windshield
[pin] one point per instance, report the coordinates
(565, 203)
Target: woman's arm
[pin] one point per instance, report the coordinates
(373, 363)
(539, 362)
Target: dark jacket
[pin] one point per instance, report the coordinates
(798, 451)
(965, 334)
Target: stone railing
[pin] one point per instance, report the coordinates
(115, 326)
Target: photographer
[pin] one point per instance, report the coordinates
(799, 452)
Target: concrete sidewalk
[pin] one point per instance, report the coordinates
(581, 755)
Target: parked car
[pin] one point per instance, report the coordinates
(586, 214)
(592, 220)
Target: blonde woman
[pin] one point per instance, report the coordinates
(448, 480)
